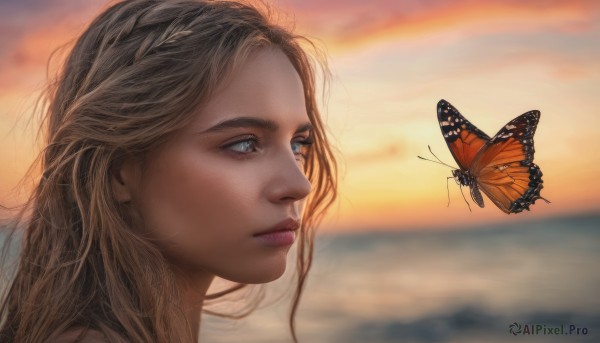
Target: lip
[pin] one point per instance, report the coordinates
(288, 224)
(280, 235)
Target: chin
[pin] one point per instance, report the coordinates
(268, 271)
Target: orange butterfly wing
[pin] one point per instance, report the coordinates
(463, 138)
(504, 167)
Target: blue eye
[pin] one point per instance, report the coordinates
(249, 143)
(301, 147)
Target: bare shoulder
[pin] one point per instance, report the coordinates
(78, 336)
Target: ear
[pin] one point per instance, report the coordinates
(124, 178)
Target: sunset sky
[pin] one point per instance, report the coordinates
(392, 61)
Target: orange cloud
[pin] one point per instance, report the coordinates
(393, 150)
(350, 25)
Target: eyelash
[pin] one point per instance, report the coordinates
(256, 141)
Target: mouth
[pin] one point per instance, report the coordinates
(289, 224)
(280, 235)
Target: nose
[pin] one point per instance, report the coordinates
(288, 183)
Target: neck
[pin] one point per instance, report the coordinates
(194, 286)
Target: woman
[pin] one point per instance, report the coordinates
(184, 144)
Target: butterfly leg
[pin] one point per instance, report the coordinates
(463, 195)
(448, 189)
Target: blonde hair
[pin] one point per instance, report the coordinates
(133, 79)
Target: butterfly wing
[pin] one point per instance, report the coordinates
(504, 167)
(463, 138)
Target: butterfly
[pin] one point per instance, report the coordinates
(501, 167)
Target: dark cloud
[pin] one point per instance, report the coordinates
(21, 17)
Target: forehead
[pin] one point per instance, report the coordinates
(266, 85)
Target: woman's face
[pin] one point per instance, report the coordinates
(206, 193)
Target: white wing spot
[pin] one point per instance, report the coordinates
(510, 127)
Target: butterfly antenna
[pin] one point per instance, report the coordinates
(463, 195)
(438, 160)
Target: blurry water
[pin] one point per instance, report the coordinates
(453, 286)
(450, 286)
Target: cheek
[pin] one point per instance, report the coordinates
(202, 212)
(197, 206)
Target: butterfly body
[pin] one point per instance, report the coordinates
(464, 178)
(501, 166)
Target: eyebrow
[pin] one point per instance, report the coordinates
(244, 122)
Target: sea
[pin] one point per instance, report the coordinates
(533, 281)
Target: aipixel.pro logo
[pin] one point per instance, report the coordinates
(543, 329)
